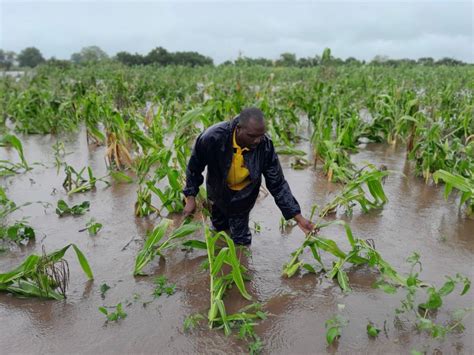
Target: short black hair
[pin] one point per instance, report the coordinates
(250, 113)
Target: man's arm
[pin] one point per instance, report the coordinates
(194, 177)
(278, 186)
(281, 192)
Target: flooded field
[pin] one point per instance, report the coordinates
(416, 218)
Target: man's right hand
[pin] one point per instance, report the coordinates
(190, 206)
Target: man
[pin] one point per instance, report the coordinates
(237, 154)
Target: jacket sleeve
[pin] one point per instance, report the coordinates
(278, 186)
(195, 167)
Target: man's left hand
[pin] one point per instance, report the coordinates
(305, 225)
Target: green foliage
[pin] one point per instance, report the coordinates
(163, 287)
(372, 330)
(153, 245)
(6, 166)
(75, 181)
(334, 327)
(365, 188)
(93, 227)
(192, 321)
(103, 289)
(87, 55)
(63, 208)
(43, 276)
(463, 184)
(19, 233)
(30, 57)
(114, 316)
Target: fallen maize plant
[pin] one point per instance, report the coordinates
(63, 209)
(45, 275)
(153, 245)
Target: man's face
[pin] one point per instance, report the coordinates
(251, 134)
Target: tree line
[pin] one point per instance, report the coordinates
(32, 57)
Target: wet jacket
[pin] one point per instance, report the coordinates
(213, 148)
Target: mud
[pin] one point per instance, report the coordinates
(417, 218)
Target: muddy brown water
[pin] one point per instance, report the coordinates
(417, 218)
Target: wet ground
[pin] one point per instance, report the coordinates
(417, 218)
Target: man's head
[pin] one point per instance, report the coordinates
(251, 128)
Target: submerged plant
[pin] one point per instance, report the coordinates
(114, 316)
(461, 183)
(63, 208)
(162, 286)
(372, 330)
(103, 289)
(75, 182)
(334, 327)
(92, 227)
(365, 188)
(20, 233)
(6, 166)
(171, 196)
(192, 321)
(153, 245)
(45, 275)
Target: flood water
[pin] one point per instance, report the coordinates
(416, 218)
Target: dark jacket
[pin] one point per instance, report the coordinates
(213, 148)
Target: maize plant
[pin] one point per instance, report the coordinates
(6, 166)
(45, 275)
(153, 245)
(458, 182)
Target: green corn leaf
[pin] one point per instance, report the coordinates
(332, 334)
(121, 177)
(385, 287)
(447, 288)
(343, 280)
(434, 300)
(219, 261)
(196, 244)
(83, 261)
(309, 267)
(31, 289)
(289, 271)
(330, 246)
(372, 330)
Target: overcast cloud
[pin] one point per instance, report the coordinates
(222, 30)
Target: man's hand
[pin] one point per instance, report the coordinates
(190, 206)
(305, 225)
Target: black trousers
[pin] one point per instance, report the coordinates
(238, 225)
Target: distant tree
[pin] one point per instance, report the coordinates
(58, 63)
(129, 58)
(158, 56)
(227, 63)
(449, 61)
(287, 60)
(307, 62)
(30, 57)
(379, 59)
(426, 61)
(192, 59)
(262, 61)
(7, 59)
(352, 61)
(337, 61)
(90, 54)
(247, 61)
(406, 61)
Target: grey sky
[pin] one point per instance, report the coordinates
(221, 29)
